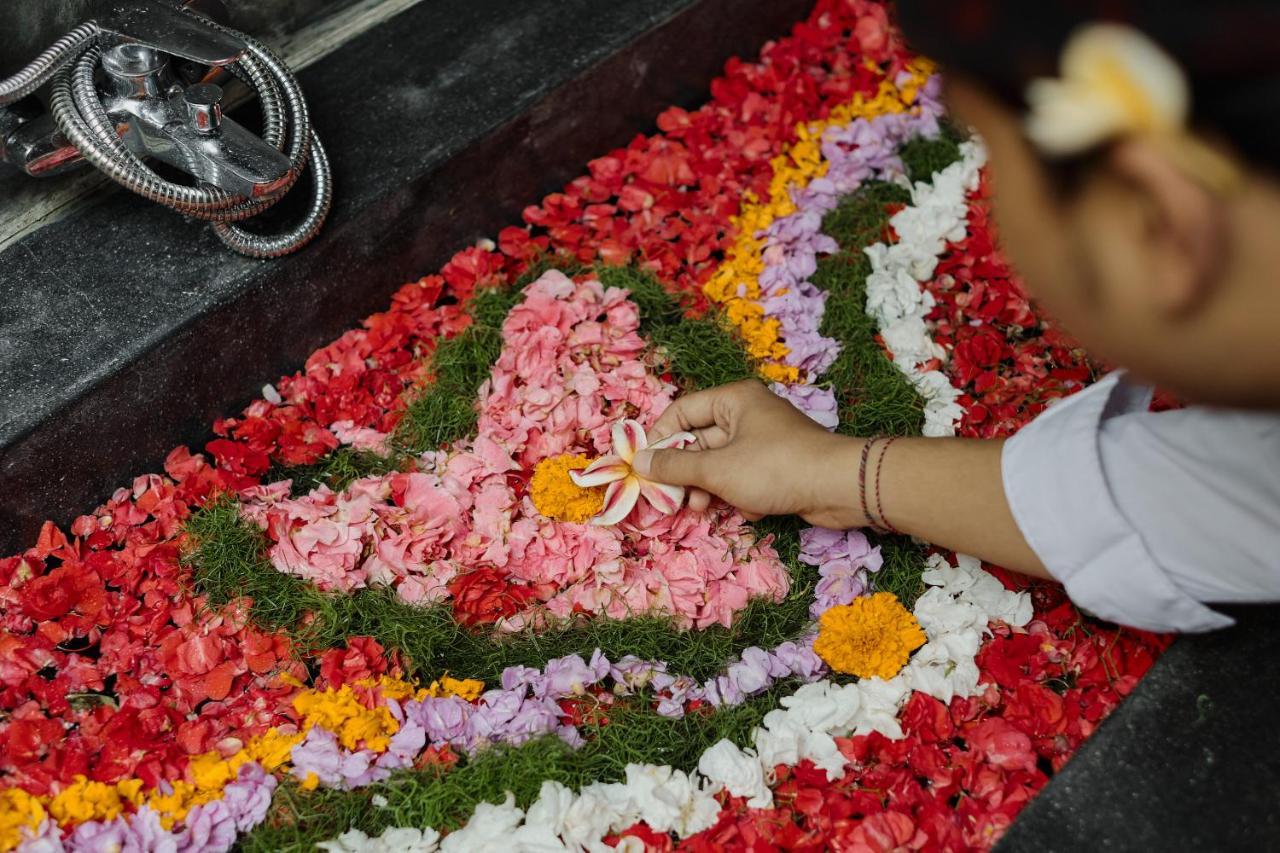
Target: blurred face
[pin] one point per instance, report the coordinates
(1040, 234)
(1145, 267)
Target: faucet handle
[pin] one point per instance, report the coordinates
(204, 108)
(164, 26)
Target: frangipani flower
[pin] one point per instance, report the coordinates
(625, 485)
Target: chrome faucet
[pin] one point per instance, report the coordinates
(155, 116)
(118, 100)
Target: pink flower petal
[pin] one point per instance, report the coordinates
(606, 469)
(676, 440)
(664, 498)
(628, 437)
(619, 499)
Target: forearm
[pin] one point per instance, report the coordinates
(946, 491)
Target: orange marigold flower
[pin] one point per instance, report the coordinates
(872, 637)
(556, 495)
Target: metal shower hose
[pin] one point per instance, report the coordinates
(70, 62)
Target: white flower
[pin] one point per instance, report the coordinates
(490, 828)
(625, 485)
(909, 341)
(804, 729)
(535, 838)
(1115, 80)
(629, 844)
(991, 596)
(600, 809)
(822, 706)
(940, 613)
(779, 742)
(880, 701)
(945, 668)
(738, 772)
(553, 803)
(395, 840)
(669, 801)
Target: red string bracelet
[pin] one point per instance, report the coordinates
(885, 526)
(862, 479)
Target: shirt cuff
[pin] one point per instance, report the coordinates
(1058, 493)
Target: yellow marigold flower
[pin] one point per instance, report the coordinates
(291, 680)
(272, 749)
(392, 688)
(84, 800)
(342, 712)
(871, 638)
(18, 810)
(464, 688)
(777, 372)
(556, 495)
(210, 771)
(311, 782)
(172, 807)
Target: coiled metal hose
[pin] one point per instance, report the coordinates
(70, 63)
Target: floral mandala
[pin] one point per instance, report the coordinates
(371, 616)
(572, 364)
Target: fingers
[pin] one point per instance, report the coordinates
(711, 438)
(692, 412)
(699, 500)
(677, 467)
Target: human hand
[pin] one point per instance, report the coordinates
(760, 453)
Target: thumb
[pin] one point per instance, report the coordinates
(676, 467)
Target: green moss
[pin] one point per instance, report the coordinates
(337, 470)
(923, 156)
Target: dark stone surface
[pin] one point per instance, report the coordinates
(27, 28)
(125, 331)
(1190, 761)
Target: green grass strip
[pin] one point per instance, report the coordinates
(338, 470)
(445, 411)
(924, 155)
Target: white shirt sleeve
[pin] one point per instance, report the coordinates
(1144, 516)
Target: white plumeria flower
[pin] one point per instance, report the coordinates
(625, 485)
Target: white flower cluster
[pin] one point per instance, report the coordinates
(937, 215)
(954, 612)
(559, 820)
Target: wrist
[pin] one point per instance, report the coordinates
(835, 502)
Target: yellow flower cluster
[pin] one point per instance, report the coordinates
(85, 800)
(340, 711)
(18, 811)
(555, 495)
(735, 284)
(871, 638)
(464, 688)
(355, 715)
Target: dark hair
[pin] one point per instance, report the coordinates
(1229, 50)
